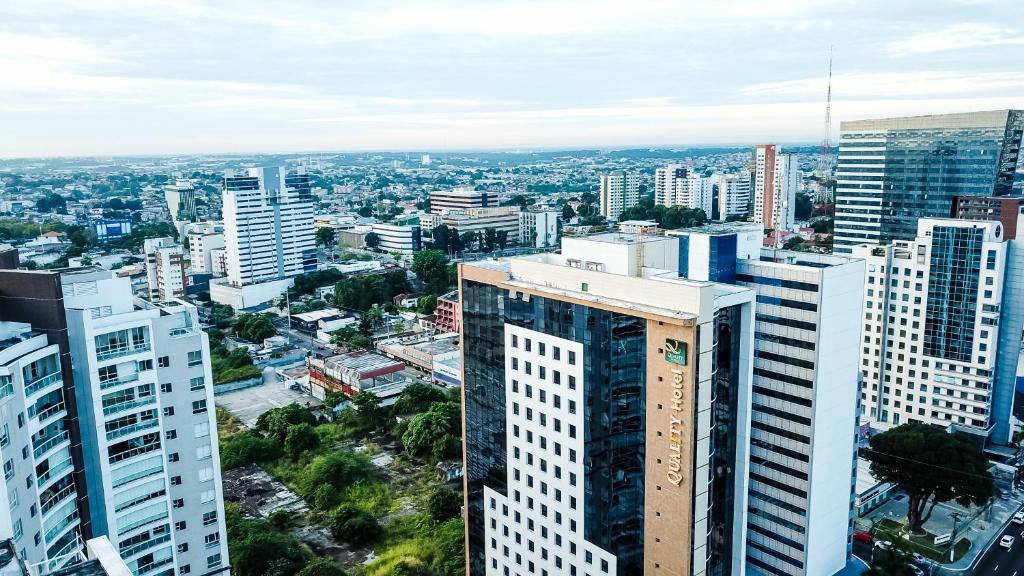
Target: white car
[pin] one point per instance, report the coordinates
(1018, 518)
(1006, 541)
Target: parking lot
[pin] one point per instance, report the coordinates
(248, 404)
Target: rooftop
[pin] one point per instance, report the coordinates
(719, 228)
(364, 362)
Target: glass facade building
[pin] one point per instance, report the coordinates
(892, 172)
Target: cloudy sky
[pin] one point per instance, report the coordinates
(98, 77)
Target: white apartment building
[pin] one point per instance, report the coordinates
(398, 239)
(933, 342)
(181, 203)
(538, 228)
(675, 185)
(268, 235)
(165, 269)
(203, 239)
(620, 191)
(40, 508)
(733, 194)
(461, 198)
(144, 389)
(776, 181)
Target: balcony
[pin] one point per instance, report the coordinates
(119, 352)
(146, 545)
(128, 430)
(48, 444)
(127, 379)
(130, 405)
(129, 454)
(116, 483)
(60, 526)
(142, 522)
(57, 498)
(40, 383)
(53, 472)
(51, 412)
(147, 568)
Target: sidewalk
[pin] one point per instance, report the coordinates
(980, 531)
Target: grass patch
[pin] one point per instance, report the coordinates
(923, 544)
(227, 424)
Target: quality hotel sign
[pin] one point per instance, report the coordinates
(676, 352)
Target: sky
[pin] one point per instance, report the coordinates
(106, 77)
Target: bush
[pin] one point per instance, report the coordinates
(300, 438)
(444, 504)
(321, 566)
(276, 421)
(437, 431)
(257, 549)
(338, 469)
(354, 525)
(254, 327)
(417, 397)
(247, 447)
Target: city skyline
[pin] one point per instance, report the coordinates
(113, 77)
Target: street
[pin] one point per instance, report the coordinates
(1001, 561)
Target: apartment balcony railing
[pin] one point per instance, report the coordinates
(128, 454)
(128, 430)
(53, 472)
(6, 390)
(119, 381)
(142, 522)
(118, 352)
(140, 474)
(48, 444)
(130, 405)
(52, 533)
(147, 568)
(40, 383)
(57, 498)
(50, 412)
(143, 546)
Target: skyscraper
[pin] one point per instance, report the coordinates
(678, 186)
(776, 181)
(268, 235)
(804, 401)
(891, 172)
(606, 414)
(942, 325)
(733, 194)
(620, 191)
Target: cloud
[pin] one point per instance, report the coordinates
(958, 37)
(892, 84)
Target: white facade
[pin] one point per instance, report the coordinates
(620, 191)
(202, 241)
(145, 395)
(733, 194)
(538, 228)
(397, 239)
(931, 328)
(165, 269)
(181, 203)
(39, 509)
(776, 181)
(675, 185)
(442, 201)
(268, 225)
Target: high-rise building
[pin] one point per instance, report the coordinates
(606, 415)
(268, 235)
(776, 181)
(675, 185)
(181, 203)
(203, 239)
(1003, 209)
(804, 400)
(538, 228)
(620, 191)
(145, 395)
(165, 269)
(941, 329)
(442, 201)
(891, 172)
(733, 194)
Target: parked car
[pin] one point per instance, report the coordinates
(1006, 541)
(862, 536)
(882, 544)
(1018, 518)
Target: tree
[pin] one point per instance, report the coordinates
(354, 525)
(52, 202)
(372, 240)
(247, 447)
(365, 211)
(221, 314)
(802, 210)
(568, 213)
(254, 327)
(426, 304)
(437, 431)
(257, 549)
(276, 422)
(370, 415)
(325, 237)
(931, 466)
(444, 504)
(301, 438)
(431, 267)
(321, 567)
(417, 397)
(338, 469)
(892, 562)
(502, 239)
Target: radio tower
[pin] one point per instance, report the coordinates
(824, 172)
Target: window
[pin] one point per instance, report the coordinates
(171, 434)
(209, 518)
(213, 561)
(163, 361)
(183, 547)
(166, 387)
(202, 429)
(169, 411)
(206, 474)
(180, 525)
(175, 480)
(212, 540)
(207, 496)
(173, 457)
(185, 569)
(199, 406)
(195, 358)
(179, 503)
(203, 452)
(572, 358)
(197, 383)
(143, 365)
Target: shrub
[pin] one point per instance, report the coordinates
(444, 504)
(354, 525)
(300, 438)
(247, 447)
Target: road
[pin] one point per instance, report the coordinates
(1002, 562)
(302, 340)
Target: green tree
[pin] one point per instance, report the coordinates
(247, 447)
(372, 240)
(354, 525)
(256, 549)
(802, 209)
(432, 269)
(438, 431)
(221, 314)
(892, 562)
(426, 304)
(275, 423)
(444, 504)
(301, 438)
(254, 327)
(321, 567)
(417, 397)
(325, 237)
(371, 416)
(568, 213)
(338, 469)
(931, 466)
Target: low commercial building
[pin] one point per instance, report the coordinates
(326, 320)
(422, 354)
(355, 372)
(442, 201)
(870, 492)
(503, 219)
